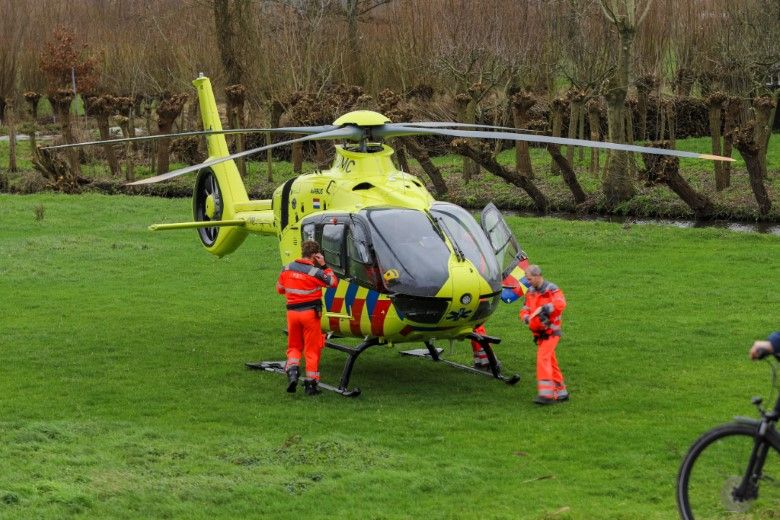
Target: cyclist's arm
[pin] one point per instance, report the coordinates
(762, 348)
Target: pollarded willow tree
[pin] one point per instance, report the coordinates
(625, 16)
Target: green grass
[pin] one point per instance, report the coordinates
(124, 394)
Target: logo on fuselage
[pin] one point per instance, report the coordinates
(458, 315)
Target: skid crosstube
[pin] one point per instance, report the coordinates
(434, 354)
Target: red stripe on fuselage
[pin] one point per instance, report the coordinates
(357, 311)
(378, 319)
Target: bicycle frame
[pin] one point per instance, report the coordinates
(766, 436)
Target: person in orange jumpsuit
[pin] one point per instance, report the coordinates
(301, 283)
(544, 304)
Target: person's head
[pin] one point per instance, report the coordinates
(534, 276)
(309, 248)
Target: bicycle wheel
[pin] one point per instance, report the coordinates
(713, 469)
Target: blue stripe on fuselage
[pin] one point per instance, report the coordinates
(330, 293)
(371, 299)
(349, 298)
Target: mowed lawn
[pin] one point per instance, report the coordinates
(123, 392)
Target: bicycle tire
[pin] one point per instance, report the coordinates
(715, 465)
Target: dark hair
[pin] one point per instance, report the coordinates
(309, 248)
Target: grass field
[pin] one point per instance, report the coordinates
(123, 392)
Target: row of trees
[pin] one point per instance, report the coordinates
(494, 60)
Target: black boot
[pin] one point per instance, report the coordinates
(292, 379)
(311, 387)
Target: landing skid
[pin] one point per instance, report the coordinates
(434, 354)
(352, 355)
(430, 352)
(278, 367)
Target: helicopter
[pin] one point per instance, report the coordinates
(411, 269)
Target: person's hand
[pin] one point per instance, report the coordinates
(526, 320)
(319, 260)
(760, 349)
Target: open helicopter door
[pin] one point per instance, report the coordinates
(510, 255)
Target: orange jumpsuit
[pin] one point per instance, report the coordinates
(480, 356)
(546, 328)
(301, 283)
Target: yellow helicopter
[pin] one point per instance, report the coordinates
(410, 268)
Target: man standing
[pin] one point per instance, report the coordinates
(301, 282)
(544, 304)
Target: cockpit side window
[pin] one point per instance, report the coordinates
(332, 242)
(361, 264)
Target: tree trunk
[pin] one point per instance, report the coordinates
(684, 81)
(167, 111)
(124, 124)
(594, 122)
(297, 157)
(581, 131)
(101, 108)
(10, 121)
(466, 115)
(617, 180)
(731, 122)
(576, 100)
(276, 111)
(762, 107)
(269, 158)
(631, 162)
(569, 177)
(236, 97)
(644, 85)
(403, 162)
(715, 104)
(521, 104)
(422, 157)
(354, 67)
(660, 169)
(671, 119)
(229, 17)
(105, 134)
(482, 155)
(618, 186)
(558, 109)
(744, 141)
(61, 101)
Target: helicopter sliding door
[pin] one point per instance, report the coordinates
(346, 247)
(510, 255)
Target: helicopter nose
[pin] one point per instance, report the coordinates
(465, 290)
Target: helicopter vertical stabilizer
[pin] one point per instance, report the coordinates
(219, 188)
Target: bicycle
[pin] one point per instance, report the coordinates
(729, 469)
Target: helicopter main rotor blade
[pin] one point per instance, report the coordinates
(283, 130)
(439, 124)
(347, 132)
(399, 130)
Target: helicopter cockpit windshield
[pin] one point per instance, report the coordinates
(411, 252)
(469, 239)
